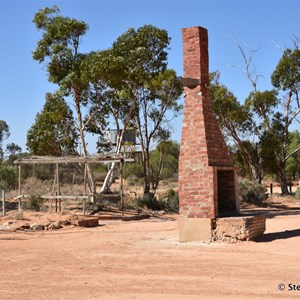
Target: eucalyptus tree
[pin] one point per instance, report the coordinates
(277, 110)
(271, 114)
(13, 149)
(293, 163)
(151, 88)
(286, 80)
(106, 74)
(163, 162)
(129, 82)
(238, 126)
(53, 132)
(4, 134)
(136, 89)
(59, 47)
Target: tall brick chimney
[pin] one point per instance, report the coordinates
(207, 178)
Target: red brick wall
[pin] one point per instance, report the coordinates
(202, 144)
(195, 53)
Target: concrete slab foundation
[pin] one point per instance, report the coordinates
(194, 229)
(227, 229)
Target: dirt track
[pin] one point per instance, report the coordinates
(143, 260)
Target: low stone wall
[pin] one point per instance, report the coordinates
(238, 228)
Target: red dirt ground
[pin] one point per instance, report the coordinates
(144, 260)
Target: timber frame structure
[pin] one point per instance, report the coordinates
(57, 160)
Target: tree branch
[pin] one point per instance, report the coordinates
(291, 154)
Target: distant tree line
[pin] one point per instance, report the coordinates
(259, 129)
(163, 163)
(129, 86)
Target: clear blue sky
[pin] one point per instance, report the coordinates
(23, 81)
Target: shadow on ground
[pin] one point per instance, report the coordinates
(269, 237)
(272, 211)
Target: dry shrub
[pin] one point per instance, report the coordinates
(35, 187)
(251, 192)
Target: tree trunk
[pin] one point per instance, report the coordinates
(257, 174)
(155, 174)
(111, 174)
(91, 181)
(146, 165)
(282, 166)
(283, 182)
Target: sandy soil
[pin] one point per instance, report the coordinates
(143, 260)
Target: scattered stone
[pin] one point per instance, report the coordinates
(25, 226)
(64, 222)
(54, 225)
(161, 212)
(137, 217)
(47, 225)
(37, 227)
(4, 227)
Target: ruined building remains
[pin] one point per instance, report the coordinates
(207, 178)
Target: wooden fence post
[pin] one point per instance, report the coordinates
(121, 186)
(3, 202)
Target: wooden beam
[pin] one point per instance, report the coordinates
(93, 222)
(65, 197)
(121, 187)
(190, 82)
(20, 196)
(58, 186)
(70, 159)
(56, 197)
(85, 185)
(19, 180)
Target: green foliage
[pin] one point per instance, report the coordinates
(263, 103)
(133, 173)
(297, 194)
(251, 192)
(151, 202)
(233, 117)
(35, 203)
(266, 117)
(293, 163)
(271, 147)
(148, 87)
(8, 177)
(237, 123)
(59, 48)
(133, 169)
(43, 172)
(237, 156)
(129, 82)
(144, 52)
(60, 43)
(164, 162)
(4, 134)
(286, 76)
(53, 132)
(169, 202)
(172, 199)
(13, 149)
